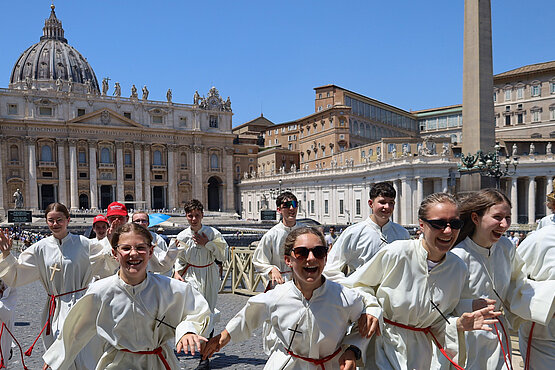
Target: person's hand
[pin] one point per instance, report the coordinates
(368, 325)
(189, 342)
(215, 344)
(478, 320)
(480, 303)
(5, 242)
(178, 276)
(45, 366)
(200, 238)
(276, 277)
(347, 361)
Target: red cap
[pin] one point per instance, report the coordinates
(100, 218)
(116, 209)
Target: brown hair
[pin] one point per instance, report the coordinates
(293, 235)
(434, 199)
(56, 207)
(478, 202)
(193, 205)
(130, 228)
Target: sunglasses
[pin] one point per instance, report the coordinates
(319, 252)
(454, 223)
(289, 204)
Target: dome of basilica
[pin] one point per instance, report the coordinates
(52, 64)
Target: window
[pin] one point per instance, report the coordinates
(46, 153)
(536, 90)
(312, 206)
(507, 95)
(105, 155)
(326, 206)
(238, 169)
(552, 87)
(12, 109)
(520, 93)
(507, 108)
(507, 120)
(250, 206)
(536, 116)
(82, 156)
(319, 96)
(214, 121)
(442, 122)
(127, 115)
(519, 118)
(214, 165)
(320, 108)
(83, 175)
(341, 122)
(45, 111)
(127, 159)
(129, 176)
(157, 119)
(357, 206)
(80, 112)
(552, 113)
(328, 106)
(495, 96)
(391, 147)
(341, 210)
(183, 159)
(14, 153)
(158, 177)
(157, 158)
(362, 154)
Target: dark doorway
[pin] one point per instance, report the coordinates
(129, 198)
(106, 196)
(83, 201)
(158, 197)
(47, 195)
(214, 194)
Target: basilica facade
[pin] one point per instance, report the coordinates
(64, 138)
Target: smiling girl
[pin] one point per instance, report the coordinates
(136, 313)
(309, 315)
(65, 264)
(495, 272)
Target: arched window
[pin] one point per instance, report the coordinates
(14, 153)
(105, 155)
(82, 156)
(127, 158)
(157, 158)
(214, 162)
(46, 153)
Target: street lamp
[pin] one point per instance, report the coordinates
(489, 164)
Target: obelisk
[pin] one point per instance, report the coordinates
(478, 117)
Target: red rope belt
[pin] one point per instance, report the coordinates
(316, 361)
(529, 347)
(270, 286)
(197, 266)
(505, 350)
(52, 308)
(2, 364)
(157, 352)
(427, 330)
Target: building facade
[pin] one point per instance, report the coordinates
(63, 138)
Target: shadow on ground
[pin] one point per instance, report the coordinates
(221, 360)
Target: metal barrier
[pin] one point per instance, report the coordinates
(239, 269)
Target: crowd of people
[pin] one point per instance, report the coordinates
(371, 297)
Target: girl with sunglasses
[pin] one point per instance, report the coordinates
(495, 276)
(65, 264)
(309, 315)
(418, 284)
(136, 313)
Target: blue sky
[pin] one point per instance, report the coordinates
(268, 56)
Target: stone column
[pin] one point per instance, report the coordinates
(406, 212)
(436, 185)
(32, 194)
(397, 210)
(228, 165)
(531, 199)
(549, 189)
(444, 187)
(138, 176)
(420, 192)
(120, 196)
(198, 186)
(62, 177)
(514, 199)
(73, 186)
(3, 160)
(148, 191)
(93, 182)
(172, 180)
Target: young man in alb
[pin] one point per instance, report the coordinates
(361, 241)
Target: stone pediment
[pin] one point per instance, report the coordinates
(105, 117)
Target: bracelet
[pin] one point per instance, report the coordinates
(356, 351)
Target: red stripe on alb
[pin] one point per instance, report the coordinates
(316, 361)
(529, 347)
(427, 330)
(157, 352)
(51, 309)
(197, 266)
